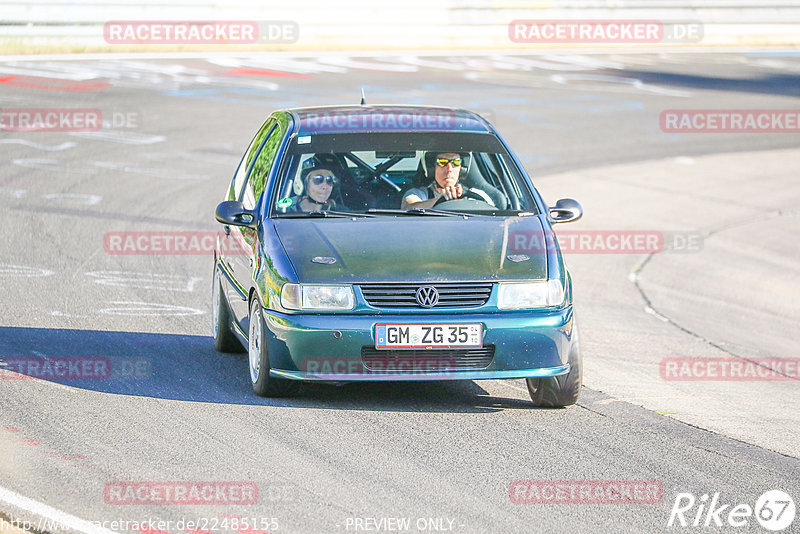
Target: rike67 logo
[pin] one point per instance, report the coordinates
(774, 510)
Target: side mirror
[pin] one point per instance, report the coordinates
(234, 213)
(566, 210)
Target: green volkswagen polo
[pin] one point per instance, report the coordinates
(373, 243)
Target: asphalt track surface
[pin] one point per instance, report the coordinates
(443, 455)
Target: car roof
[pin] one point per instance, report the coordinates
(385, 118)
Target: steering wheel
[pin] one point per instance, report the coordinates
(466, 193)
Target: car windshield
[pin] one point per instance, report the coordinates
(375, 173)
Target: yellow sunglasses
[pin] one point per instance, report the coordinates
(442, 162)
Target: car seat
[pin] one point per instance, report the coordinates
(474, 179)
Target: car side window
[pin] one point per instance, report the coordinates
(261, 168)
(239, 179)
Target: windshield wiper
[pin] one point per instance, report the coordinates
(417, 211)
(321, 214)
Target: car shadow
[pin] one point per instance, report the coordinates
(187, 368)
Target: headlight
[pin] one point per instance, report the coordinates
(309, 297)
(522, 295)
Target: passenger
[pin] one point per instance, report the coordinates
(318, 184)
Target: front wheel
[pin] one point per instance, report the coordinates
(559, 391)
(258, 357)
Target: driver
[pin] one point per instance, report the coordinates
(447, 167)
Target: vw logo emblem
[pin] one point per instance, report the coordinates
(427, 296)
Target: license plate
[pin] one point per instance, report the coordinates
(408, 336)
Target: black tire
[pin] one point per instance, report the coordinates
(258, 359)
(559, 391)
(224, 338)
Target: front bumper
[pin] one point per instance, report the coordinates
(328, 347)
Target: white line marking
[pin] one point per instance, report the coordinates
(585, 61)
(427, 63)
(49, 148)
(487, 77)
(35, 163)
(286, 65)
(37, 73)
(162, 282)
(558, 62)
(53, 514)
(14, 193)
(226, 81)
(651, 311)
(57, 313)
(148, 309)
(614, 84)
(171, 69)
(7, 270)
(50, 165)
(121, 136)
(350, 63)
(75, 198)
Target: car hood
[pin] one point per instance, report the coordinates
(395, 249)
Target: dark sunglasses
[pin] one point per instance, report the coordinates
(442, 162)
(319, 178)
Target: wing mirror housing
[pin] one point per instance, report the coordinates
(566, 210)
(234, 213)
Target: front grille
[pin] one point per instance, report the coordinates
(451, 295)
(431, 360)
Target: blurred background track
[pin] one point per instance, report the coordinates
(53, 25)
